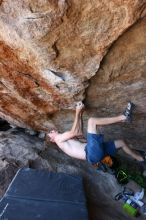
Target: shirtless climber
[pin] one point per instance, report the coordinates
(95, 149)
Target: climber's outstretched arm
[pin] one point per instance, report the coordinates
(76, 129)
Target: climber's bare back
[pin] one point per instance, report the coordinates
(73, 148)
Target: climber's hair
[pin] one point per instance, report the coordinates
(47, 138)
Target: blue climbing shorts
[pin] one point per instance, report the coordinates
(96, 149)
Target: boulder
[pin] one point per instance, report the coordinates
(50, 49)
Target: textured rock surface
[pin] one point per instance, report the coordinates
(7, 172)
(49, 50)
(122, 77)
(17, 150)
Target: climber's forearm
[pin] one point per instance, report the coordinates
(77, 124)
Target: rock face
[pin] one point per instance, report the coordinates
(122, 77)
(50, 49)
(54, 53)
(7, 172)
(17, 150)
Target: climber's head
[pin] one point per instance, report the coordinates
(52, 134)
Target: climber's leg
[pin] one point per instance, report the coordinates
(121, 144)
(126, 116)
(93, 123)
(95, 148)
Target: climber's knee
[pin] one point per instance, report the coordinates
(120, 144)
(91, 125)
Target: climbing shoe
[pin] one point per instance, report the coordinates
(143, 155)
(129, 111)
(143, 163)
